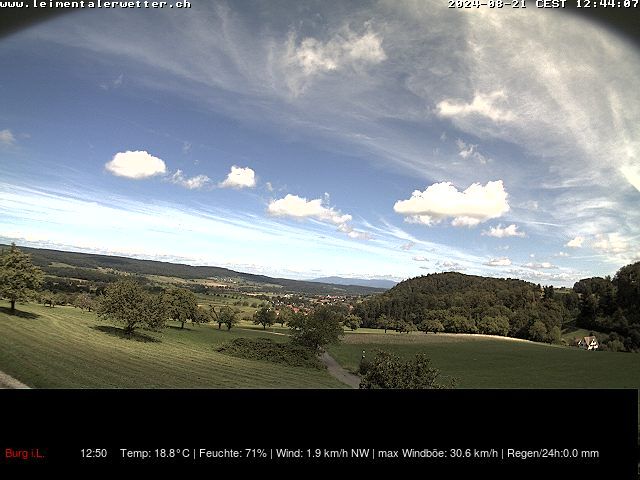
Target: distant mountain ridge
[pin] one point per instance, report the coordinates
(45, 257)
(362, 282)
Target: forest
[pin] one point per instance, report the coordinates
(457, 303)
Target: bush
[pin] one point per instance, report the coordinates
(267, 350)
(387, 370)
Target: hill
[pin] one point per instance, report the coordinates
(362, 282)
(457, 303)
(101, 268)
(63, 347)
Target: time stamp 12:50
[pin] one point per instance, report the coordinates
(542, 3)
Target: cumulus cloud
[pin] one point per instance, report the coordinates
(294, 206)
(561, 254)
(7, 137)
(575, 242)
(135, 164)
(502, 232)
(442, 200)
(193, 183)
(239, 177)
(611, 243)
(420, 258)
(498, 262)
(486, 105)
(540, 266)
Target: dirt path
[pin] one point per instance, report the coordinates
(7, 381)
(336, 371)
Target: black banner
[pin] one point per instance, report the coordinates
(483, 431)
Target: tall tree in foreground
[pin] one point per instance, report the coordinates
(181, 304)
(318, 329)
(126, 302)
(18, 277)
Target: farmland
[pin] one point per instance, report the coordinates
(492, 362)
(63, 347)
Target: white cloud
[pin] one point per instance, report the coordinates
(137, 164)
(442, 200)
(240, 178)
(186, 147)
(299, 207)
(345, 49)
(575, 242)
(498, 262)
(314, 56)
(420, 258)
(561, 254)
(407, 246)
(632, 174)
(193, 183)
(7, 137)
(468, 151)
(502, 232)
(486, 105)
(540, 266)
(268, 186)
(611, 243)
(449, 266)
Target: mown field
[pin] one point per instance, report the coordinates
(481, 362)
(63, 347)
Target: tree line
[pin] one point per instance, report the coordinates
(444, 302)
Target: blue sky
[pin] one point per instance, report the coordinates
(383, 139)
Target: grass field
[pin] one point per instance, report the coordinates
(63, 347)
(481, 362)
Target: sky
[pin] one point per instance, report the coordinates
(302, 139)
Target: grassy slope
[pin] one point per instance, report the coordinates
(59, 348)
(497, 363)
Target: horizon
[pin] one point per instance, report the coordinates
(375, 140)
(301, 279)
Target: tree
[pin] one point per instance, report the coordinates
(384, 322)
(265, 316)
(433, 325)
(201, 316)
(228, 317)
(352, 321)
(181, 305)
(538, 331)
(19, 278)
(84, 302)
(128, 303)
(321, 327)
(390, 371)
(284, 315)
(549, 293)
(48, 298)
